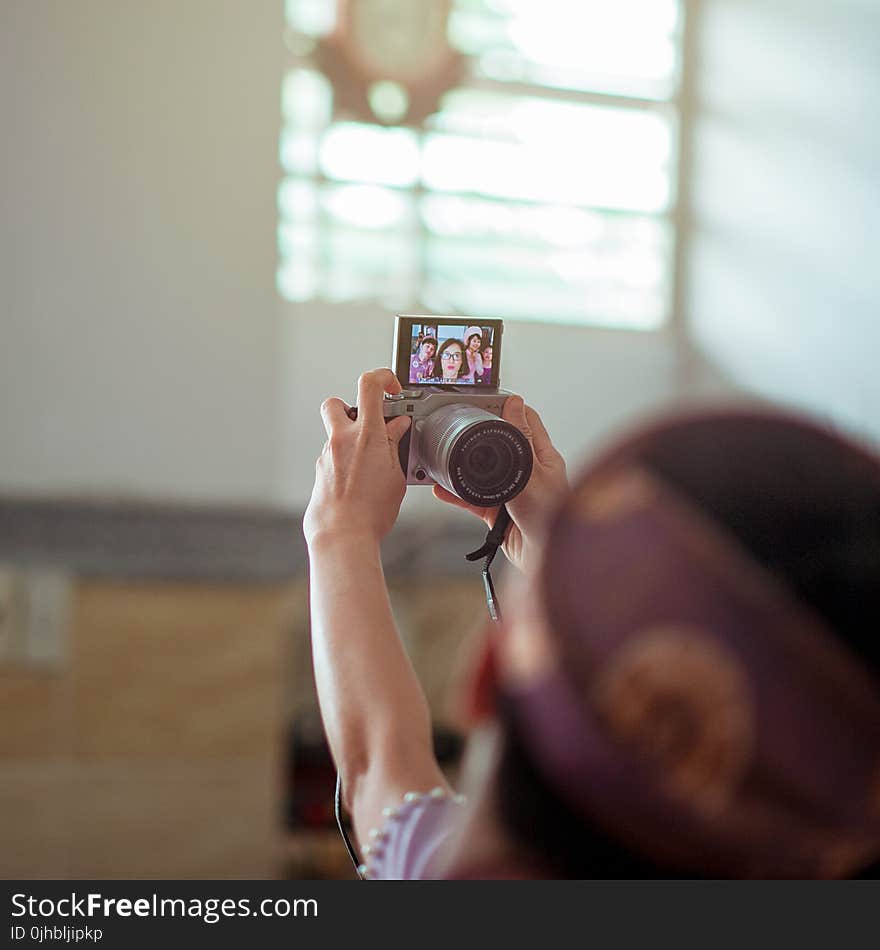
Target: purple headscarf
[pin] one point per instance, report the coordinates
(700, 713)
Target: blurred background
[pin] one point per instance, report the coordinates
(210, 212)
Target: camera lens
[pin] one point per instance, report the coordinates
(481, 458)
(488, 462)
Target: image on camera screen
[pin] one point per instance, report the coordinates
(457, 354)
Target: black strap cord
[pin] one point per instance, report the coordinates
(494, 540)
(340, 823)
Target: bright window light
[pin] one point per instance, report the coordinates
(544, 188)
(352, 151)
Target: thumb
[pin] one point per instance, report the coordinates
(396, 428)
(514, 411)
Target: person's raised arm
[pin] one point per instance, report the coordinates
(374, 711)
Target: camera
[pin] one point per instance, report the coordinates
(449, 368)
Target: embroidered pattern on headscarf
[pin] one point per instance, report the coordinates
(678, 699)
(613, 497)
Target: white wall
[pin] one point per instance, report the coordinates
(144, 350)
(785, 269)
(139, 341)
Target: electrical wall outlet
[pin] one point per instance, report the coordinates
(34, 617)
(48, 597)
(11, 615)
(5, 608)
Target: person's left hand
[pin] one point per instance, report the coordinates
(529, 510)
(359, 484)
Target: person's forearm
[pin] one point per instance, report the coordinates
(367, 689)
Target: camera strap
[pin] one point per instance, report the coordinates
(494, 540)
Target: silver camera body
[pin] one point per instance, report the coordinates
(459, 440)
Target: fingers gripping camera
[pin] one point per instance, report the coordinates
(460, 442)
(450, 373)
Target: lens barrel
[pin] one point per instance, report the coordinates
(475, 454)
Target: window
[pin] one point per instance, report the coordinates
(543, 187)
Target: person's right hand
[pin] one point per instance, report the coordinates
(528, 511)
(359, 484)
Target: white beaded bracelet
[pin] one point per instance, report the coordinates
(378, 836)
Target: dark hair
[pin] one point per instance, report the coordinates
(438, 365)
(555, 837)
(427, 339)
(806, 505)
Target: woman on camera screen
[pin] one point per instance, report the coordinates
(451, 365)
(486, 354)
(473, 340)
